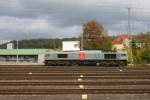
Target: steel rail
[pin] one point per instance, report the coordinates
(71, 91)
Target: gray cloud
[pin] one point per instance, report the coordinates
(20, 19)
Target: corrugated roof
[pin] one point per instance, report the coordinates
(21, 51)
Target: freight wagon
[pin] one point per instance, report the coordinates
(89, 57)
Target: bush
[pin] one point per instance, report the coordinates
(146, 56)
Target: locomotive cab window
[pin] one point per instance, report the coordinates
(110, 56)
(62, 56)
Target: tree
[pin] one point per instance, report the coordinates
(40, 43)
(143, 38)
(95, 36)
(139, 52)
(146, 55)
(135, 54)
(106, 45)
(93, 29)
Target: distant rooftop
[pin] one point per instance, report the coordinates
(22, 51)
(120, 38)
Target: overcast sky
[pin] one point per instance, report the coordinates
(24, 19)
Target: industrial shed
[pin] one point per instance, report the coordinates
(23, 55)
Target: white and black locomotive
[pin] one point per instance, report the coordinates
(89, 57)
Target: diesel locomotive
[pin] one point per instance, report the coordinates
(89, 57)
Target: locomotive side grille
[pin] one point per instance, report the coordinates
(110, 56)
(62, 55)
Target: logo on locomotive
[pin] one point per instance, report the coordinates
(81, 55)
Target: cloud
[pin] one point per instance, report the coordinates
(20, 19)
(34, 28)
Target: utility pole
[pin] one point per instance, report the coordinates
(82, 41)
(17, 51)
(129, 22)
(129, 33)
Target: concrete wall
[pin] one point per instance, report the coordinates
(118, 47)
(41, 58)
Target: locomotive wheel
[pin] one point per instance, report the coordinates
(97, 64)
(74, 63)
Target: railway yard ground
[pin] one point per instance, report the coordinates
(37, 82)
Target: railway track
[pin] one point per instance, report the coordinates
(39, 67)
(90, 83)
(43, 80)
(72, 91)
(71, 78)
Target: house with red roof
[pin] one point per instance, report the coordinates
(120, 42)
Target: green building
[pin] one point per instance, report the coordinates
(22, 55)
